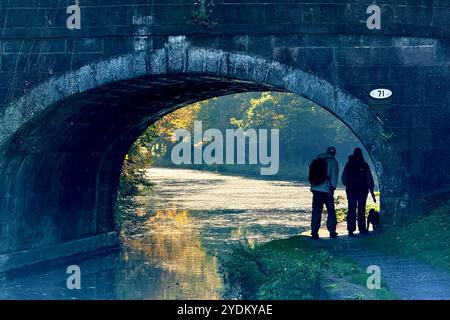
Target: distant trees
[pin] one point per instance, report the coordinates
(305, 130)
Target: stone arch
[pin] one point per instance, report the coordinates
(59, 176)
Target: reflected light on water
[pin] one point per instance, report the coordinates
(172, 244)
(195, 218)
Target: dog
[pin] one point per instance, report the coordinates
(374, 219)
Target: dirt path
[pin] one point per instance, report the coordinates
(407, 278)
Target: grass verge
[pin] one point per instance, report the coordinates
(341, 213)
(292, 269)
(426, 239)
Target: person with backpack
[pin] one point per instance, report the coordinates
(323, 177)
(358, 181)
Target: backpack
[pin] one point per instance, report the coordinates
(318, 171)
(357, 177)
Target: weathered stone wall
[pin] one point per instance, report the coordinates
(68, 96)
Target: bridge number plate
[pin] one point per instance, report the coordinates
(381, 93)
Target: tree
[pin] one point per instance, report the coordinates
(306, 129)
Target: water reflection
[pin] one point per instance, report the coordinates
(170, 242)
(174, 253)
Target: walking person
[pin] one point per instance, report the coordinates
(358, 181)
(323, 177)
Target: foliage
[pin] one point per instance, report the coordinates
(163, 139)
(267, 271)
(153, 143)
(182, 118)
(149, 145)
(132, 178)
(287, 269)
(387, 137)
(341, 213)
(435, 200)
(305, 129)
(136, 161)
(203, 13)
(426, 239)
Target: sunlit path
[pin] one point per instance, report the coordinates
(406, 277)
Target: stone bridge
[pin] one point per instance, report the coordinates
(73, 100)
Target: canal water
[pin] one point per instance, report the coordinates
(196, 219)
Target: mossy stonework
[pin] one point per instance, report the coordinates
(73, 101)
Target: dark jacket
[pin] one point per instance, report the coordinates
(357, 177)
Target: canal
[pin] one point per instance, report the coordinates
(196, 219)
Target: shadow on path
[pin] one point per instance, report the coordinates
(407, 278)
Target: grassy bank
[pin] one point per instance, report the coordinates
(341, 213)
(426, 239)
(294, 269)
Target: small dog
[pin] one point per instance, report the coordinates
(374, 219)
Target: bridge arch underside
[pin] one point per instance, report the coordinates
(60, 169)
